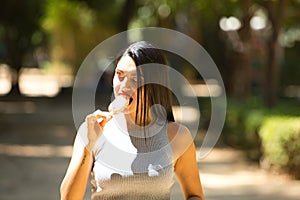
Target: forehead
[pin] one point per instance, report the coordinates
(126, 64)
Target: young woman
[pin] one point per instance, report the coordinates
(134, 154)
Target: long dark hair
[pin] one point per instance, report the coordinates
(151, 93)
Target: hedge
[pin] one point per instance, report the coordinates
(244, 121)
(281, 143)
(271, 135)
(241, 127)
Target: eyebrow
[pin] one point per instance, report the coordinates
(121, 71)
(118, 70)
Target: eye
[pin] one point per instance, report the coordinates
(120, 75)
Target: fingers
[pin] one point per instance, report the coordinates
(97, 112)
(104, 120)
(102, 117)
(101, 113)
(91, 121)
(98, 116)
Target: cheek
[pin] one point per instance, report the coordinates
(116, 84)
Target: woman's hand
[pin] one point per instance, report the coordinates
(95, 124)
(75, 181)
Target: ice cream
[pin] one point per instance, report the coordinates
(115, 107)
(118, 105)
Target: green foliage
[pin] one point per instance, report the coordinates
(244, 120)
(20, 31)
(76, 27)
(66, 14)
(290, 68)
(272, 134)
(281, 143)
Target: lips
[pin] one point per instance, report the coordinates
(126, 96)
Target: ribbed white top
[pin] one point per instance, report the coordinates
(132, 164)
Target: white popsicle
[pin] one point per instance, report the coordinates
(118, 105)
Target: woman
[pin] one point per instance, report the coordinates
(134, 154)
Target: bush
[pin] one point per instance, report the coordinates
(281, 143)
(244, 120)
(241, 127)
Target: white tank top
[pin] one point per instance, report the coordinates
(132, 164)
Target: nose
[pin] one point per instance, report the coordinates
(126, 85)
(124, 82)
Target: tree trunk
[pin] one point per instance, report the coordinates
(276, 16)
(242, 56)
(126, 14)
(14, 57)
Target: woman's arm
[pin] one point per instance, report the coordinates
(187, 173)
(185, 167)
(75, 181)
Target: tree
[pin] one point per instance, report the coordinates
(20, 30)
(77, 26)
(276, 15)
(20, 33)
(242, 73)
(126, 15)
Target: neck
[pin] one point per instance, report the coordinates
(131, 123)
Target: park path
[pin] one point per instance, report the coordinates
(35, 144)
(227, 175)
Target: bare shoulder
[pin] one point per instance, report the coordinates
(180, 138)
(178, 130)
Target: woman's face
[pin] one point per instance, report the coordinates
(125, 82)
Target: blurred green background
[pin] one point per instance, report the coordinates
(254, 43)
